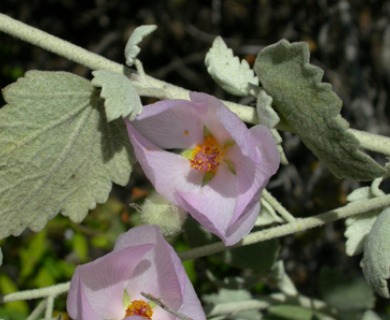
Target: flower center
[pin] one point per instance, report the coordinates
(207, 156)
(139, 308)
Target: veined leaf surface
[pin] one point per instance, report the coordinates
(58, 153)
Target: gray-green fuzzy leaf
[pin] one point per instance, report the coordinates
(132, 49)
(359, 226)
(265, 113)
(226, 69)
(376, 259)
(57, 151)
(312, 109)
(120, 97)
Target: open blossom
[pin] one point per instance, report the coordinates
(219, 166)
(141, 262)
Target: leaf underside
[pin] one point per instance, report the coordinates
(233, 75)
(57, 151)
(312, 109)
(132, 49)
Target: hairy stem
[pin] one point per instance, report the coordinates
(298, 225)
(145, 85)
(36, 293)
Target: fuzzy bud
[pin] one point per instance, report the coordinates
(159, 211)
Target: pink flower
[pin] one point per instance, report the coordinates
(142, 261)
(223, 167)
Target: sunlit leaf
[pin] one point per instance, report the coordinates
(57, 151)
(376, 259)
(120, 97)
(132, 49)
(226, 69)
(312, 109)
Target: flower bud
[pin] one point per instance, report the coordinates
(159, 211)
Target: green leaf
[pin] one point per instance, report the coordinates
(80, 246)
(121, 98)
(258, 257)
(376, 259)
(1, 257)
(290, 312)
(226, 69)
(57, 151)
(312, 109)
(224, 297)
(7, 285)
(132, 49)
(343, 292)
(32, 254)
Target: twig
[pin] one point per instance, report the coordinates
(165, 307)
(146, 86)
(283, 212)
(39, 309)
(298, 225)
(36, 293)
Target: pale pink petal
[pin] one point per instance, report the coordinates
(211, 118)
(212, 205)
(243, 225)
(267, 151)
(77, 303)
(171, 124)
(254, 174)
(106, 278)
(166, 279)
(167, 171)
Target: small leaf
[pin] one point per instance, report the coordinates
(358, 227)
(226, 69)
(1, 257)
(376, 259)
(312, 109)
(343, 292)
(57, 151)
(282, 280)
(265, 113)
(132, 49)
(120, 97)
